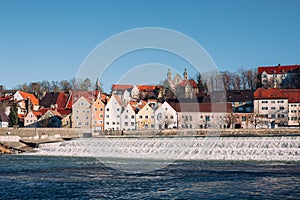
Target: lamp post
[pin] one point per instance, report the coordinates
(8, 139)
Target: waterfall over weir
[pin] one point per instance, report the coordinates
(279, 148)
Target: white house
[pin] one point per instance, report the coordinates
(125, 97)
(272, 76)
(271, 107)
(165, 117)
(26, 102)
(135, 92)
(113, 110)
(81, 113)
(31, 118)
(203, 115)
(128, 118)
(293, 96)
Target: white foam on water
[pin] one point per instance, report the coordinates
(281, 148)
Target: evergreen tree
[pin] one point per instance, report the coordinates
(13, 116)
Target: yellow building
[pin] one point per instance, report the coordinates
(145, 118)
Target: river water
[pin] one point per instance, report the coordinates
(52, 177)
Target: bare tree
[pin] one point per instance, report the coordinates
(226, 76)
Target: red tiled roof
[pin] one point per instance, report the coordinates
(55, 113)
(277, 69)
(33, 99)
(75, 95)
(121, 87)
(62, 111)
(37, 114)
(62, 99)
(270, 93)
(146, 88)
(191, 82)
(20, 116)
(293, 95)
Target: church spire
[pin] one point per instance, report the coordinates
(98, 84)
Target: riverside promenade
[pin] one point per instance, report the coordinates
(25, 139)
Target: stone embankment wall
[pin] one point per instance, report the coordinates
(14, 135)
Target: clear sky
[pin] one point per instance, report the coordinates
(48, 40)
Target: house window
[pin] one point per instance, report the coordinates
(107, 109)
(272, 108)
(264, 101)
(126, 117)
(141, 116)
(107, 116)
(79, 123)
(86, 117)
(101, 116)
(152, 116)
(125, 123)
(264, 108)
(207, 118)
(107, 123)
(100, 121)
(191, 118)
(101, 109)
(146, 117)
(272, 101)
(243, 118)
(159, 116)
(132, 123)
(152, 125)
(132, 116)
(273, 116)
(118, 116)
(281, 108)
(118, 109)
(96, 109)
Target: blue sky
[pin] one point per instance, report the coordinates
(49, 40)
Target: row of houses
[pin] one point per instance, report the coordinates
(144, 115)
(265, 107)
(139, 107)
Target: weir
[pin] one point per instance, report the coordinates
(276, 148)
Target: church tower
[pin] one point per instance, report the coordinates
(185, 74)
(169, 76)
(170, 79)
